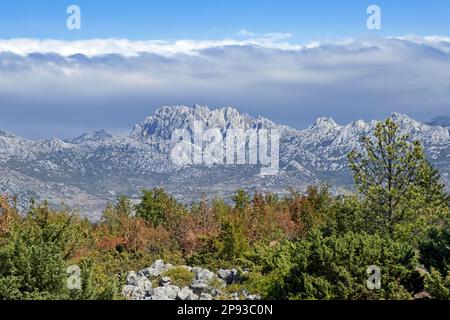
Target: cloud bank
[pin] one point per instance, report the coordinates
(127, 48)
(53, 87)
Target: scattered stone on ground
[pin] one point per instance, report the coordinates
(206, 285)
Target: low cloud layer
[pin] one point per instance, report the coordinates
(62, 88)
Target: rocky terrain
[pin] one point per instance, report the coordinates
(202, 284)
(86, 172)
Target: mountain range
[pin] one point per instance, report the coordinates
(89, 171)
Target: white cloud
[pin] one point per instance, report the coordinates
(128, 48)
(246, 33)
(292, 83)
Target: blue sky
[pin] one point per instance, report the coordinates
(212, 19)
(132, 57)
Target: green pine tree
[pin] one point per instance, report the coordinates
(401, 189)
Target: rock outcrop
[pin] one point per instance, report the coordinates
(205, 284)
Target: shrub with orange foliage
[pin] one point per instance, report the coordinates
(110, 242)
(269, 219)
(311, 211)
(8, 215)
(140, 235)
(119, 229)
(199, 228)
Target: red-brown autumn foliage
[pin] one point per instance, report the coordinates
(7, 215)
(268, 218)
(119, 229)
(309, 210)
(199, 227)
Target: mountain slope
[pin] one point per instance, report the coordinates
(443, 121)
(94, 168)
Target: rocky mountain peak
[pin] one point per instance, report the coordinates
(325, 122)
(322, 127)
(6, 134)
(403, 119)
(358, 125)
(170, 118)
(94, 136)
(420, 131)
